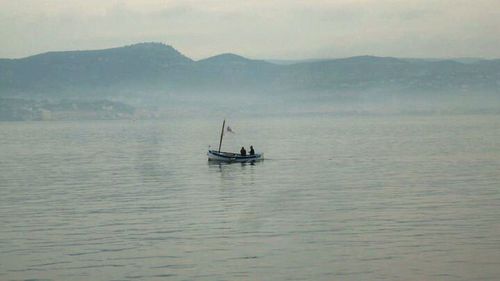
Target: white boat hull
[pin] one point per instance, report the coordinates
(214, 155)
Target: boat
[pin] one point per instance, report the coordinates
(214, 155)
(221, 156)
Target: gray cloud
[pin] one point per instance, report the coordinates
(263, 29)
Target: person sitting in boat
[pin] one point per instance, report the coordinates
(252, 152)
(243, 152)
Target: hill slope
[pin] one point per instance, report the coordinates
(157, 69)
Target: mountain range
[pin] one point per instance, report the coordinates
(155, 68)
(157, 79)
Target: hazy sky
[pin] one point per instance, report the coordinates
(286, 29)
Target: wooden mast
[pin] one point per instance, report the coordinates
(222, 133)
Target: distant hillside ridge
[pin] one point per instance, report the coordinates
(151, 69)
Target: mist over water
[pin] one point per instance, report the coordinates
(155, 80)
(337, 198)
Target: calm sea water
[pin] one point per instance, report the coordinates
(338, 198)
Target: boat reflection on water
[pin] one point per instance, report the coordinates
(221, 164)
(232, 174)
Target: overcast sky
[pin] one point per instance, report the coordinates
(283, 29)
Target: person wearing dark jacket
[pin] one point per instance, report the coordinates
(252, 152)
(243, 152)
